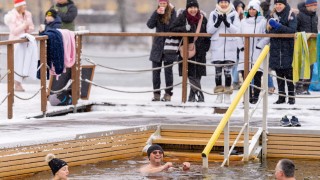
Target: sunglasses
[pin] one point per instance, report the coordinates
(156, 152)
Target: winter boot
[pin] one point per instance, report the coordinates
(291, 100)
(218, 89)
(281, 100)
(227, 99)
(156, 97)
(192, 96)
(200, 96)
(254, 100)
(219, 99)
(166, 97)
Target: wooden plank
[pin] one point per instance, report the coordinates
(291, 156)
(289, 147)
(191, 141)
(293, 138)
(293, 152)
(197, 156)
(292, 143)
(197, 131)
(195, 135)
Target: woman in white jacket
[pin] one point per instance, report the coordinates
(223, 20)
(253, 23)
(19, 21)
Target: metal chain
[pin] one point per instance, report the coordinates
(131, 57)
(8, 72)
(25, 99)
(64, 88)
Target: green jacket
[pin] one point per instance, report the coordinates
(67, 12)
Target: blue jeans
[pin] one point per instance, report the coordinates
(235, 73)
(270, 81)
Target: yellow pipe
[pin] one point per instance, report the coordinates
(235, 102)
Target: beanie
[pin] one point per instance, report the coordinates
(18, 3)
(236, 3)
(311, 2)
(265, 6)
(54, 163)
(153, 148)
(254, 4)
(163, 1)
(52, 12)
(223, 0)
(280, 1)
(192, 3)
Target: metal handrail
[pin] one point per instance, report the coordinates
(232, 107)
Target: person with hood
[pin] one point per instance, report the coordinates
(240, 7)
(307, 22)
(67, 11)
(52, 20)
(161, 19)
(223, 20)
(188, 21)
(59, 168)
(19, 21)
(282, 21)
(254, 23)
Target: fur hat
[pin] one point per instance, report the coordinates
(254, 4)
(192, 3)
(18, 3)
(223, 0)
(52, 12)
(280, 1)
(153, 148)
(236, 3)
(54, 163)
(311, 2)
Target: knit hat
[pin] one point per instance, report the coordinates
(18, 3)
(153, 148)
(192, 3)
(55, 163)
(163, 1)
(223, 0)
(236, 3)
(52, 12)
(254, 4)
(311, 2)
(280, 1)
(265, 6)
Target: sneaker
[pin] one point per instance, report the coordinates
(285, 122)
(295, 122)
(219, 98)
(227, 99)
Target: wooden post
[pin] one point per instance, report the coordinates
(185, 69)
(246, 99)
(10, 66)
(43, 72)
(75, 72)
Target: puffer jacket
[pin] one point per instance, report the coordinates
(223, 48)
(158, 41)
(67, 12)
(253, 25)
(281, 49)
(202, 44)
(14, 21)
(307, 21)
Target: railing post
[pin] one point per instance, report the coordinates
(43, 70)
(185, 69)
(10, 66)
(75, 73)
(246, 99)
(265, 108)
(226, 142)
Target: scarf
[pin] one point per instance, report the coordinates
(193, 19)
(224, 11)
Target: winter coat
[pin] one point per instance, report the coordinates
(202, 44)
(281, 49)
(223, 48)
(55, 24)
(158, 41)
(67, 12)
(253, 25)
(15, 22)
(307, 21)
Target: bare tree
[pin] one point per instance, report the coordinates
(122, 15)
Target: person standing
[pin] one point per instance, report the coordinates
(223, 20)
(282, 21)
(161, 19)
(254, 23)
(307, 22)
(191, 20)
(68, 12)
(19, 21)
(58, 167)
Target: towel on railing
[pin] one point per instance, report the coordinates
(304, 56)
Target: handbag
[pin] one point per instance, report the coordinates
(192, 46)
(171, 45)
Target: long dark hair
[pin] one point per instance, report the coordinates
(165, 18)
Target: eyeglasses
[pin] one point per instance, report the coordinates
(156, 152)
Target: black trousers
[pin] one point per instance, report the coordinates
(256, 82)
(227, 70)
(156, 76)
(196, 81)
(287, 74)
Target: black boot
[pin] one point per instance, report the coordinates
(192, 96)
(291, 100)
(280, 100)
(200, 96)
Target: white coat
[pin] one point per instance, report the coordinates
(26, 58)
(223, 48)
(253, 25)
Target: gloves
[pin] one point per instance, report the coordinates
(219, 21)
(274, 24)
(225, 21)
(188, 27)
(258, 47)
(242, 49)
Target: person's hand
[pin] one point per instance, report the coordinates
(225, 21)
(219, 21)
(186, 166)
(274, 24)
(241, 49)
(160, 10)
(167, 166)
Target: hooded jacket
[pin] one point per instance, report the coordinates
(307, 21)
(67, 12)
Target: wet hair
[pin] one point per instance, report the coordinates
(288, 167)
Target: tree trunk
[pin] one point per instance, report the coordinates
(122, 15)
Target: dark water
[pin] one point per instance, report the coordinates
(127, 170)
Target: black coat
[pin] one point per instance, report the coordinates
(307, 21)
(158, 42)
(202, 45)
(281, 49)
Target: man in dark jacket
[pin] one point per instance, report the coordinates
(67, 12)
(283, 21)
(308, 22)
